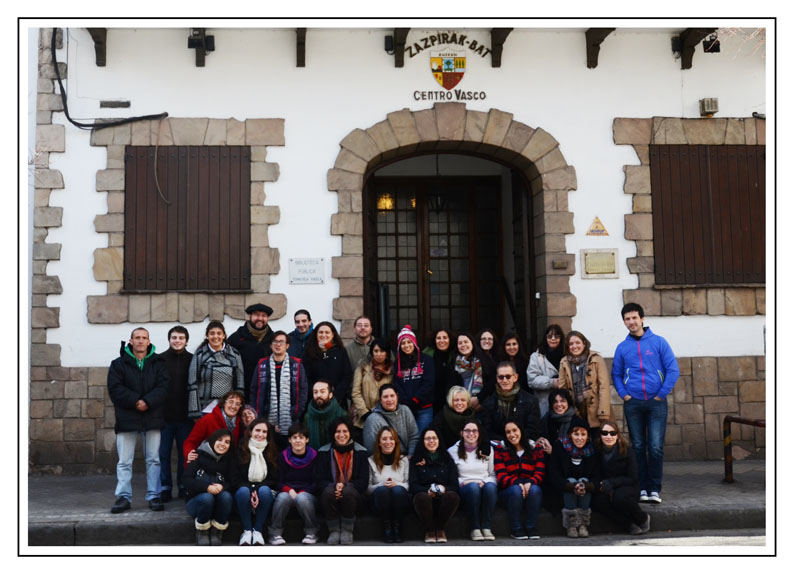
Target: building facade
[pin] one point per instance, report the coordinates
(463, 178)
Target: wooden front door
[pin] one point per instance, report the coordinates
(433, 254)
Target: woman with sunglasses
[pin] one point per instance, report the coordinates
(617, 490)
(544, 366)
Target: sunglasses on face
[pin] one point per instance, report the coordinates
(504, 377)
(552, 336)
(609, 433)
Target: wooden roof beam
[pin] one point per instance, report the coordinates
(301, 47)
(690, 38)
(400, 35)
(594, 37)
(498, 37)
(100, 36)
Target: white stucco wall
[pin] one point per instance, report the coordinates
(350, 82)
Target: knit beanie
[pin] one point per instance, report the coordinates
(407, 333)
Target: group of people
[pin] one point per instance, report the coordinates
(264, 421)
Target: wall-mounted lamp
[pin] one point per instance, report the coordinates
(388, 45)
(709, 107)
(201, 43)
(711, 45)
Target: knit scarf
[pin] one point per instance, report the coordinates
(470, 370)
(555, 356)
(380, 370)
(577, 453)
(281, 397)
(578, 371)
(506, 399)
(231, 422)
(257, 468)
(342, 458)
(258, 334)
(563, 420)
(409, 364)
(296, 461)
(455, 421)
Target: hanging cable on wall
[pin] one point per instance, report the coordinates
(97, 125)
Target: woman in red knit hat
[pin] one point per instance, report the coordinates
(414, 378)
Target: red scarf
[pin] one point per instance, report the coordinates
(344, 465)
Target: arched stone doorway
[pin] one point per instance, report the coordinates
(450, 127)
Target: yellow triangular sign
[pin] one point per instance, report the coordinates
(597, 228)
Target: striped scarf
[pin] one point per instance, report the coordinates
(280, 397)
(471, 372)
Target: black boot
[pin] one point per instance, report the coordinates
(395, 531)
(388, 534)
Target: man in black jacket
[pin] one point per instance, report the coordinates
(138, 384)
(177, 424)
(252, 340)
(510, 402)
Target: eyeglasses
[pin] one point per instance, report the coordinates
(609, 433)
(486, 338)
(234, 403)
(278, 342)
(504, 377)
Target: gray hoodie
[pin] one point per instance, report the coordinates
(402, 420)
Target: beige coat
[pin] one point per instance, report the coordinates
(598, 388)
(365, 392)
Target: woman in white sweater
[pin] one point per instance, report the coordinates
(388, 483)
(473, 457)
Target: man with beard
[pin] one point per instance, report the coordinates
(321, 410)
(359, 348)
(298, 337)
(252, 340)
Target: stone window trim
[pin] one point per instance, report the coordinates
(119, 307)
(451, 127)
(660, 300)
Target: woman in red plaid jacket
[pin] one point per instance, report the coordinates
(520, 468)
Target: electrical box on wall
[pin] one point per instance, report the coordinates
(599, 263)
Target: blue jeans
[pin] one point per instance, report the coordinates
(206, 506)
(243, 500)
(511, 498)
(305, 503)
(479, 503)
(571, 500)
(390, 503)
(172, 432)
(423, 419)
(647, 422)
(125, 445)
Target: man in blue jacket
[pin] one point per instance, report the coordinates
(644, 371)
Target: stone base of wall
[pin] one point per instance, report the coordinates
(72, 418)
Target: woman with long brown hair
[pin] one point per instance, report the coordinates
(388, 483)
(617, 490)
(325, 359)
(584, 374)
(368, 378)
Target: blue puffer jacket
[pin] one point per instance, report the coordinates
(644, 368)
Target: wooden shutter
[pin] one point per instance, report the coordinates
(708, 214)
(196, 235)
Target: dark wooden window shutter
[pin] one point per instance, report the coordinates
(195, 233)
(709, 225)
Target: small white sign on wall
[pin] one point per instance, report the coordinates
(307, 271)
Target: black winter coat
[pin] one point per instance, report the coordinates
(333, 365)
(322, 468)
(617, 471)
(250, 350)
(178, 365)
(443, 471)
(561, 469)
(127, 384)
(205, 470)
(525, 412)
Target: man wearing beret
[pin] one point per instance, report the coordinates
(252, 340)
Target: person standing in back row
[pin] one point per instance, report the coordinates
(644, 372)
(252, 340)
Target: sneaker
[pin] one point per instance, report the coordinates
(309, 539)
(156, 504)
(476, 535)
(519, 535)
(654, 497)
(276, 540)
(430, 537)
(533, 534)
(120, 505)
(487, 534)
(245, 538)
(256, 538)
(643, 496)
(441, 536)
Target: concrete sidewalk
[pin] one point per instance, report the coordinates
(75, 510)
